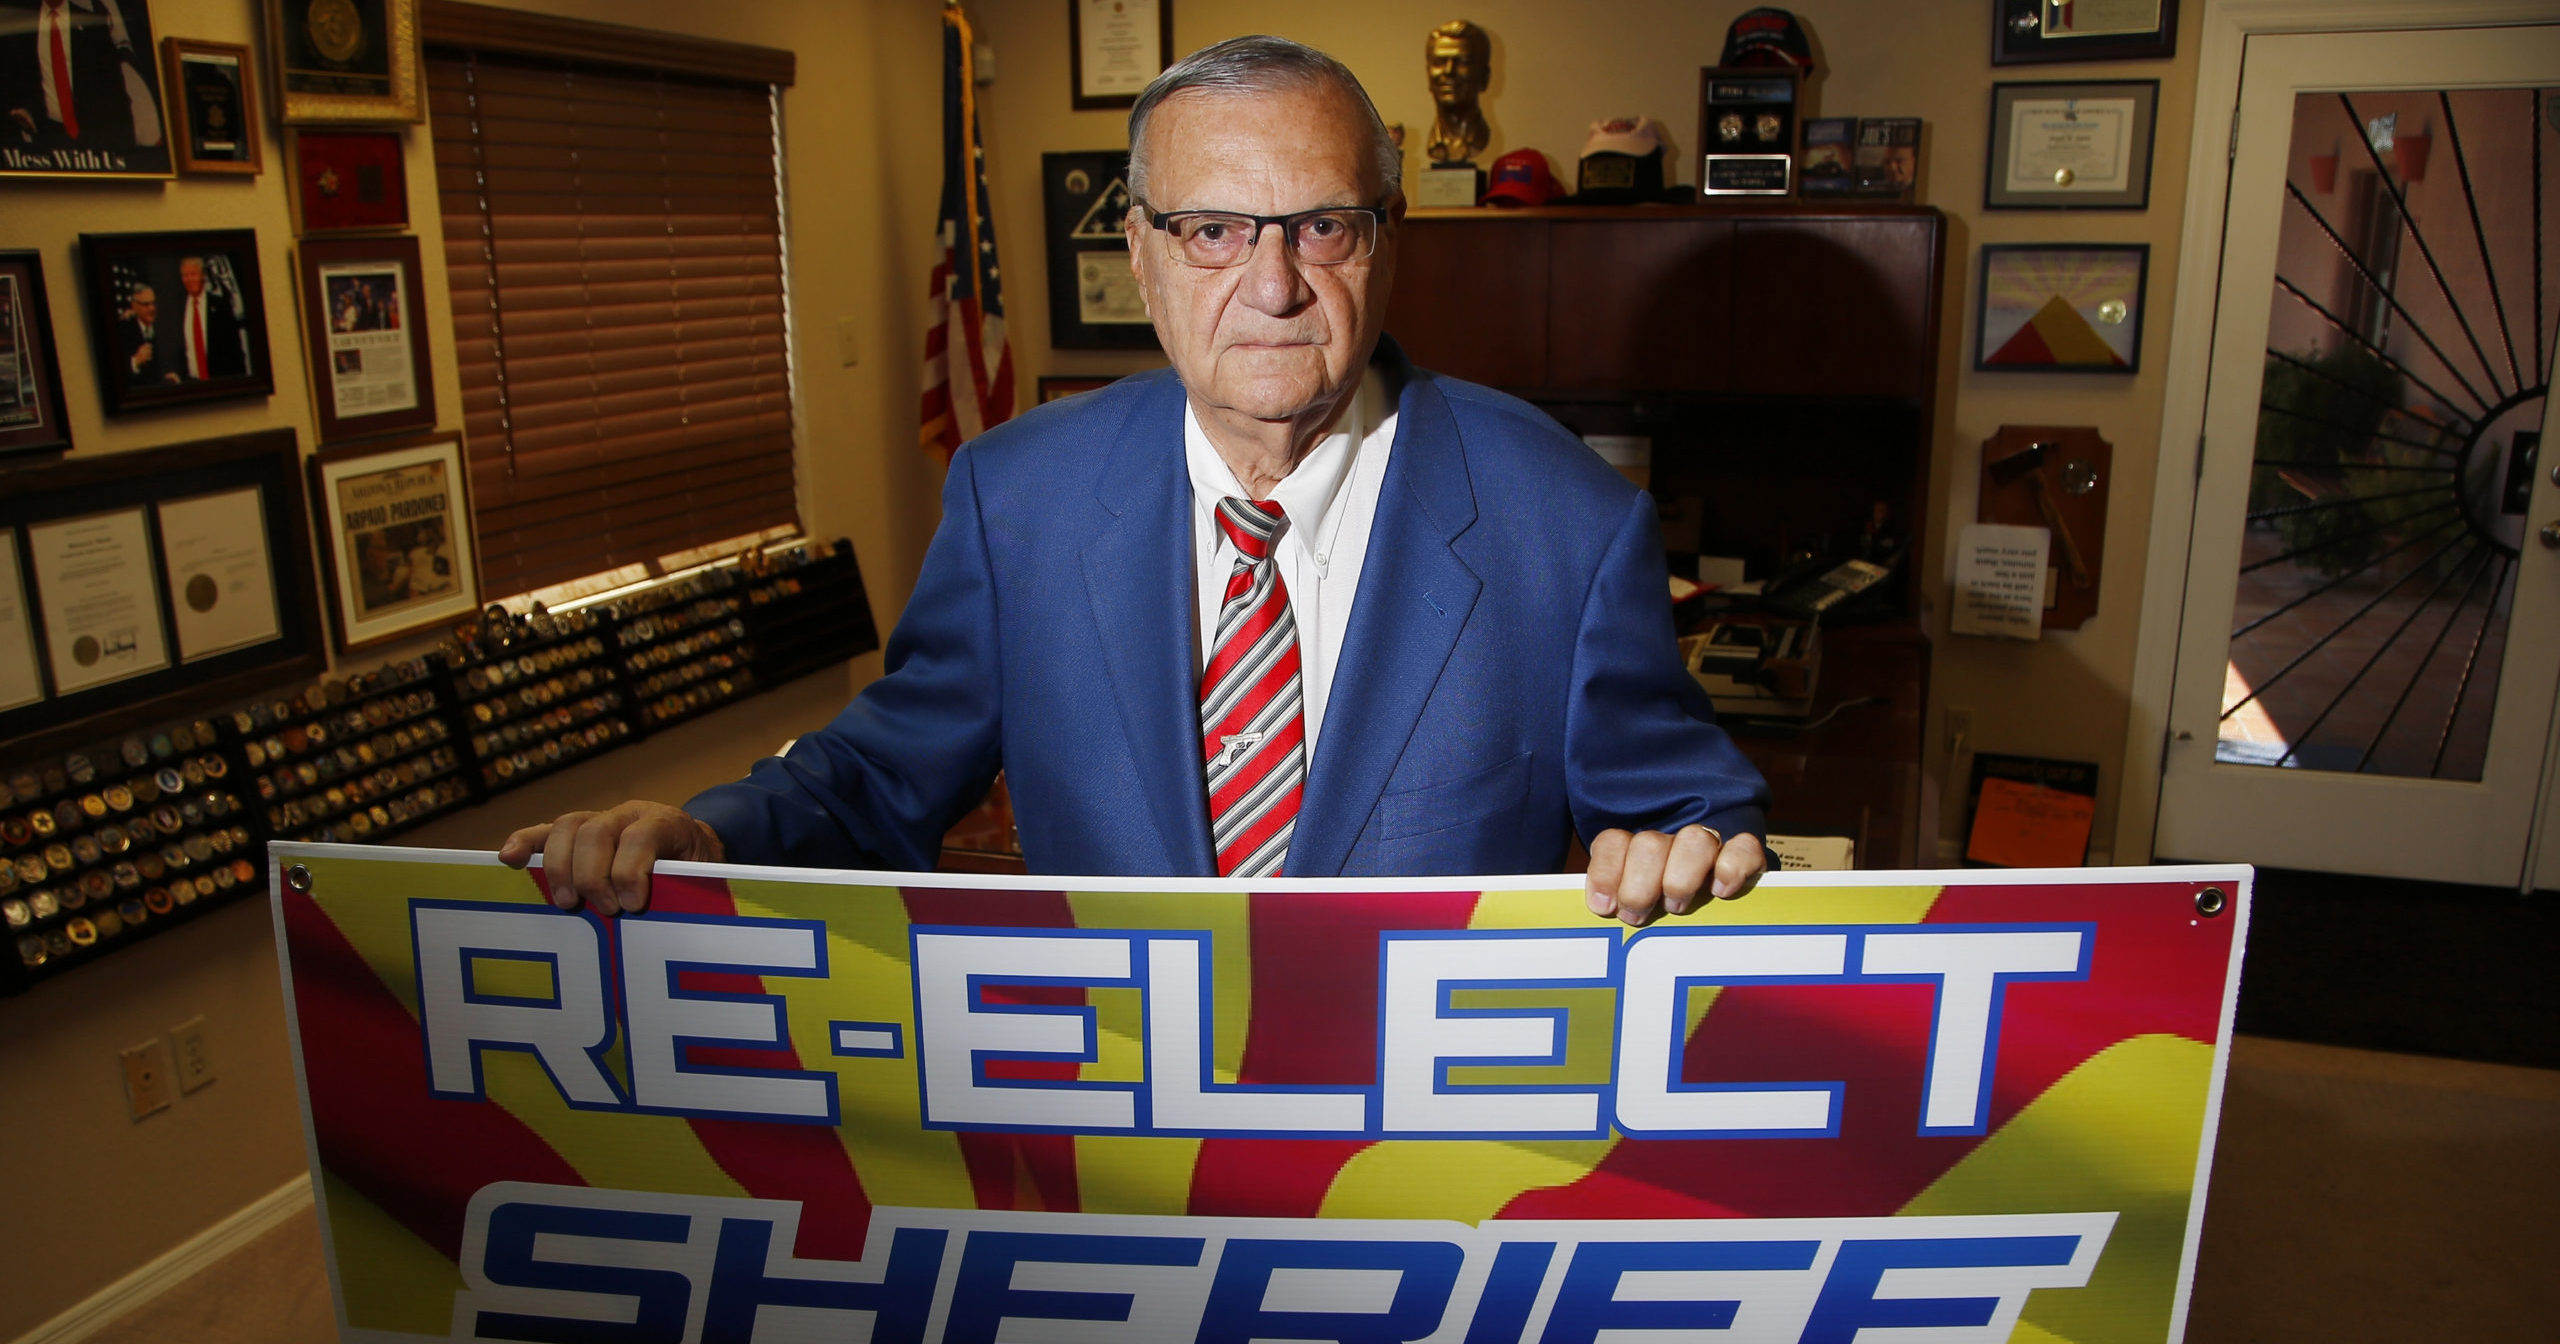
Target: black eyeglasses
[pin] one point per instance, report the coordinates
(1216, 239)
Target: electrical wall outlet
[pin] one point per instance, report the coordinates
(150, 1083)
(194, 1057)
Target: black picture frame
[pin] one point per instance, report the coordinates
(2130, 143)
(141, 363)
(2021, 285)
(32, 420)
(189, 681)
(1093, 298)
(111, 133)
(1086, 86)
(2020, 36)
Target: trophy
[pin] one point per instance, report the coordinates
(1459, 57)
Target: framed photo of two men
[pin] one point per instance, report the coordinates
(176, 317)
(80, 92)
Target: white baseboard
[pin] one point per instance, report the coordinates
(179, 1264)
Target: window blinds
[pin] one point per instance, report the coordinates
(613, 244)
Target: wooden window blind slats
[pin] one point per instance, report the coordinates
(614, 249)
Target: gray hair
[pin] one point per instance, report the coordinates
(1258, 65)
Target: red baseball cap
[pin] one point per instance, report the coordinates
(1521, 177)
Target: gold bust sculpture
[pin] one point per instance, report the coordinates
(1460, 59)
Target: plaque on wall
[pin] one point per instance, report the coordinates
(1747, 130)
(1093, 296)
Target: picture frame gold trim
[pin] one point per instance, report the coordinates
(404, 99)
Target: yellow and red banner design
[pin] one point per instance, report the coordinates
(787, 1105)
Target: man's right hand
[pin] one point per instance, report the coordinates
(603, 858)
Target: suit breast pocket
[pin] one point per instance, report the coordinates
(1456, 802)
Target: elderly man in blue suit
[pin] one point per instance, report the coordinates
(1293, 607)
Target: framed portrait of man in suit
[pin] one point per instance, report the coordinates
(80, 92)
(176, 317)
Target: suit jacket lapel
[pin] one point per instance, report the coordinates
(1415, 596)
(1138, 576)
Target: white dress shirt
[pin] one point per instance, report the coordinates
(1331, 498)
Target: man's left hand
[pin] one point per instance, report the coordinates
(1636, 875)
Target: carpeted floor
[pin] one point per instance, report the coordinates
(2357, 1198)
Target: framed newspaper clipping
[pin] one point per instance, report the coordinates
(395, 526)
(360, 322)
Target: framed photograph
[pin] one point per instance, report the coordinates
(1093, 296)
(110, 121)
(362, 336)
(395, 526)
(31, 418)
(2071, 146)
(211, 92)
(148, 585)
(1115, 47)
(351, 62)
(2032, 32)
(349, 181)
(2060, 308)
(176, 317)
(1054, 388)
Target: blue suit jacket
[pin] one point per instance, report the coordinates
(1510, 669)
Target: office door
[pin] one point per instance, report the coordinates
(2370, 642)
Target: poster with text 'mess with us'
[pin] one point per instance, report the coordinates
(796, 1105)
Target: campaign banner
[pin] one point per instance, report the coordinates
(788, 1105)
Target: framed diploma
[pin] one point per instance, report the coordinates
(2071, 146)
(31, 419)
(361, 334)
(2030, 32)
(1093, 295)
(395, 524)
(93, 579)
(142, 586)
(210, 97)
(1116, 47)
(351, 62)
(222, 585)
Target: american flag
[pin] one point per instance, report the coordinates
(970, 391)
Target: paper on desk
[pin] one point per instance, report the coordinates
(2000, 571)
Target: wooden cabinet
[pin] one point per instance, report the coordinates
(1705, 300)
(1783, 359)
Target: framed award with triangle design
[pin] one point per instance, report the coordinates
(2054, 308)
(1093, 296)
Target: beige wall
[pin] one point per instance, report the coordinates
(1557, 68)
(863, 175)
(92, 1194)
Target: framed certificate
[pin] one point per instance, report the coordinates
(2071, 146)
(1116, 47)
(141, 586)
(2032, 32)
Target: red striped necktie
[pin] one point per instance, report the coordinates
(1253, 731)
